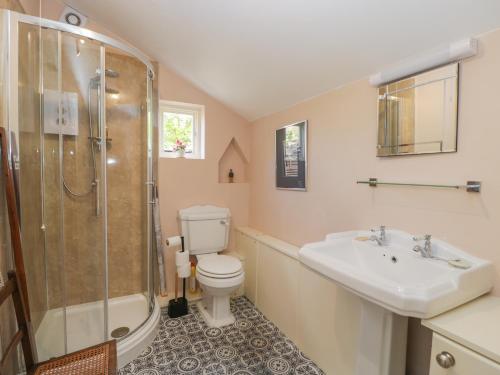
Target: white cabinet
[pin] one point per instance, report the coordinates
(467, 362)
(470, 335)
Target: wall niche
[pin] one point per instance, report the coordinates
(233, 158)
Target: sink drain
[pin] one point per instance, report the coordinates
(120, 332)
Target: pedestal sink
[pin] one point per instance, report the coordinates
(395, 283)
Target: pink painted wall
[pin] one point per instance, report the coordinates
(342, 139)
(186, 182)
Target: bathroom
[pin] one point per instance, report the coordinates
(98, 267)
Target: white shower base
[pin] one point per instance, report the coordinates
(85, 326)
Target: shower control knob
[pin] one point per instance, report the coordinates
(445, 360)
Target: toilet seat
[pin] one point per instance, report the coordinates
(219, 266)
(220, 282)
(216, 276)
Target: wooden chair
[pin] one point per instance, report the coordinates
(96, 360)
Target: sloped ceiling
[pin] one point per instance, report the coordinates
(261, 56)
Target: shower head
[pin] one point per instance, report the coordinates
(111, 73)
(108, 72)
(95, 81)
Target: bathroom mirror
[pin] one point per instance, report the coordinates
(418, 115)
(291, 155)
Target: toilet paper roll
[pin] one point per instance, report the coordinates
(173, 241)
(184, 270)
(181, 258)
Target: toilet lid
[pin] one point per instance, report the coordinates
(219, 265)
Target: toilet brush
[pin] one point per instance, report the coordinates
(178, 306)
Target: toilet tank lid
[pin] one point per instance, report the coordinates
(204, 213)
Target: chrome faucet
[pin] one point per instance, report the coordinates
(425, 251)
(380, 239)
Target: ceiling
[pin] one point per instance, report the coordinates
(262, 56)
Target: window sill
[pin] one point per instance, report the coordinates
(174, 156)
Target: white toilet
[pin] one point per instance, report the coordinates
(206, 232)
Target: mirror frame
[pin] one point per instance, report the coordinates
(457, 64)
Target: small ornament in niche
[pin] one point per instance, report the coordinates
(231, 176)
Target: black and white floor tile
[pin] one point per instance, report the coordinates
(252, 345)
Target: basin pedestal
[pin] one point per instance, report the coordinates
(382, 341)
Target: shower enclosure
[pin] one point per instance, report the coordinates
(78, 109)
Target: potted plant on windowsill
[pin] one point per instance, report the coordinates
(180, 148)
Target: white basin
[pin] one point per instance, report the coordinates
(397, 278)
(394, 283)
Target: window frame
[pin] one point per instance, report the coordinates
(198, 113)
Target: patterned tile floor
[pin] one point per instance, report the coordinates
(252, 345)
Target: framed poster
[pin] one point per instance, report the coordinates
(291, 156)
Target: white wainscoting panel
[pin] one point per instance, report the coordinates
(319, 316)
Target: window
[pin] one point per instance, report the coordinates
(182, 132)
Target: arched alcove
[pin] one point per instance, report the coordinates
(233, 158)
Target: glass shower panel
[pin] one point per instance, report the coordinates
(79, 129)
(126, 129)
(26, 143)
(54, 321)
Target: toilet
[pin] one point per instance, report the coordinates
(206, 233)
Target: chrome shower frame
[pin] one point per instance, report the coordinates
(10, 118)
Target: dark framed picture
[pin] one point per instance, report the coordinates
(291, 156)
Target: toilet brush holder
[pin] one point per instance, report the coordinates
(178, 306)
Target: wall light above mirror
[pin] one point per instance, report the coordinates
(419, 114)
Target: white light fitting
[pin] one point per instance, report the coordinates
(454, 52)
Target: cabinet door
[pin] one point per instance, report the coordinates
(467, 362)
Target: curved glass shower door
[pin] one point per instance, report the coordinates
(127, 192)
(72, 193)
(82, 159)
(83, 124)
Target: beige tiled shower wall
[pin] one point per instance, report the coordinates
(80, 263)
(126, 119)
